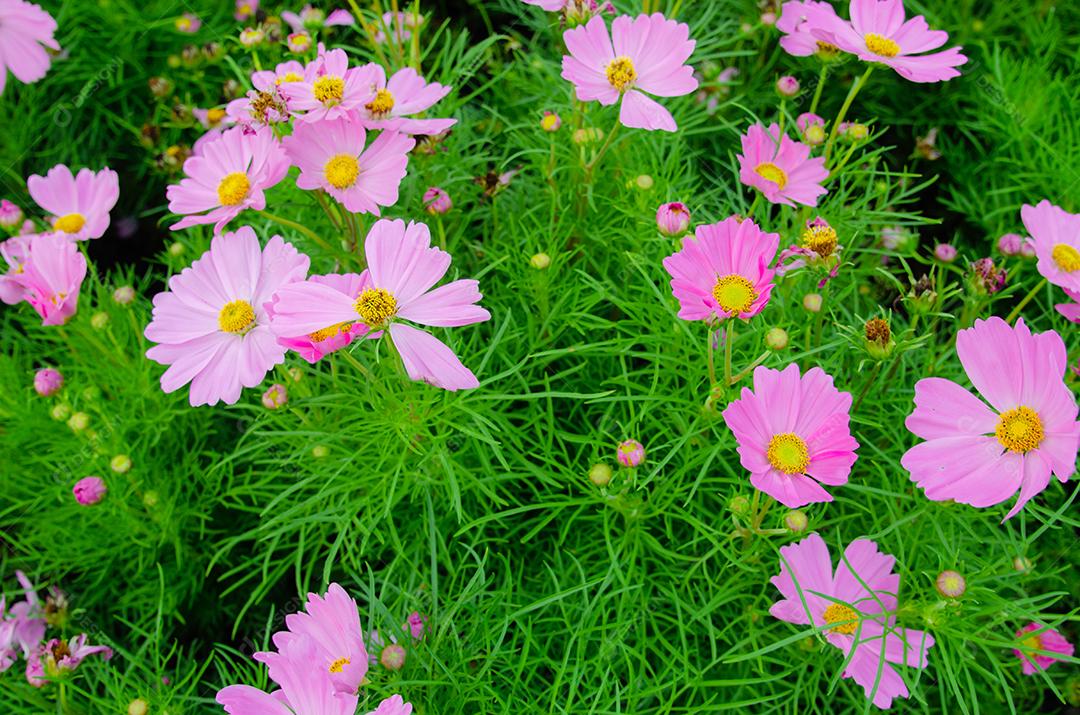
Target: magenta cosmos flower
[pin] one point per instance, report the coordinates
(330, 88)
(781, 168)
(212, 327)
(331, 156)
(89, 490)
(230, 175)
(852, 605)
(51, 277)
(25, 31)
(646, 53)
(793, 434)
(322, 342)
(57, 657)
(1055, 235)
(81, 203)
(22, 627)
(402, 268)
(878, 33)
(981, 455)
(723, 271)
(1036, 643)
(405, 93)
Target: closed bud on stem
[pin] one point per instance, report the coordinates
(600, 474)
(796, 521)
(776, 339)
(950, 584)
(879, 342)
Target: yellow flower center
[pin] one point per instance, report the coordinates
(233, 189)
(214, 116)
(882, 46)
(826, 50)
(1066, 257)
(329, 90)
(382, 104)
(734, 293)
(375, 306)
(1019, 430)
(236, 317)
(70, 223)
(772, 172)
(820, 239)
(290, 77)
(840, 614)
(787, 452)
(183, 24)
(621, 73)
(1032, 643)
(341, 171)
(339, 665)
(326, 333)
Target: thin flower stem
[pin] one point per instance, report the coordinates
(709, 352)
(754, 205)
(867, 386)
(296, 227)
(822, 76)
(729, 338)
(1027, 299)
(750, 368)
(603, 150)
(855, 89)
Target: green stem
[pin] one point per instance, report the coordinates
(855, 88)
(296, 227)
(729, 338)
(754, 205)
(750, 368)
(709, 352)
(817, 90)
(1027, 299)
(603, 150)
(867, 386)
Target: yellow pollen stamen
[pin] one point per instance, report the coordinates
(882, 46)
(839, 613)
(236, 317)
(382, 104)
(734, 293)
(1019, 430)
(772, 172)
(787, 452)
(820, 239)
(1032, 643)
(341, 171)
(339, 665)
(70, 223)
(289, 77)
(214, 116)
(233, 189)
(621, 73)
(329, 90)
(827, 50)
(375, 306)
(1066, 257)
(328, 332)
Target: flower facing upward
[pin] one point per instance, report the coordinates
(80, 203)
(405, 93)
(878, 33)
(211, 326)
(793, 434)
(230, 175)
(402, 269)
(330, 88)
(1035, 637)
(723, 271)
(781, 168)
(51, 277)
(332, 157)
(25, 31)
(1055, 235)
(981, 455)
(852, 606)
(58, 656)
(642, 54)
(245, 9)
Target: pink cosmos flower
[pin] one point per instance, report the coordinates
(793, 434)
(398, 25)
(723, 271)
(209, 118)
(314, 346)
(15, 251)
(877, 33)
(211, 325)
(852, 605)
(265, 104)
(188, 23)
(51, 278)
(1036, 637)
(58, 657)
(1071, 311)
(643, 53)
(393, 705)
(1055, 235)
(981, 456)
(548, 5)
(245, 9)
(80, 203)
(415, 625)
(315, 19)
(798, 39)
(819, 248)
(230, 175)
(22, 626)
(331, 156)
(10, 214)
(330, 88)
(781, 168)
(25, 31)
(405, 93)
(402, 268)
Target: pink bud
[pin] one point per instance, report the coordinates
(275, 396)
(673, 219)
(89, 490)
(945, 253)
(437, 201)
(393, 657)
(416, 624)
(630, 453)
(787, 86)
(1010, 244)
(10, 214)
(551, 122)
(47, 381)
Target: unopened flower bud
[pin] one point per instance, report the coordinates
(60, 412)
(48, 381)
(251, 36)
(796, 521)
(99, 320)
(1022, 564)
(436, 201)
(673, 219)
(630, 453)
(811, 302)
(415, 625)
(320, 451)
(299, 42)
(1010, 244)
(393, 657)
(644, 182)
(950, 584)
(814, 135)
(79, 421)
(739, 505)
(121, 464)
(600, 475)
(776, 339)
(787, 86)
(275, 396)
(540, 261)
(879, 342)
(124, 295)
(176, 249)
(551, 122)
(10, 214)
(150, 499)
(138, 706)
(944, 252)
(89, 490)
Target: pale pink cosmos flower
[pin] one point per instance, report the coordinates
(57, 657)
(229, 176)
(330, 88)
(1055, 236)
(402, 268)
(878, 33)
(415, 625)
(265, 104)
(393, 705)
(15, 252)
(209, 118)
(331, 156)
(25, 31)
(794, 23)
(22, 626)
(852, 606)
(723, 271)
(245, 9)
(405, 93)
(188, 23)
(314, 346)
(212, 327)
(313, 18)
(1071, 311)
(644, 53)
(80, 203)
(781, 168)
(981, 455)
(1035, 637)
(51, 278)
(548, 5)
(793, 434)
(399, 26)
